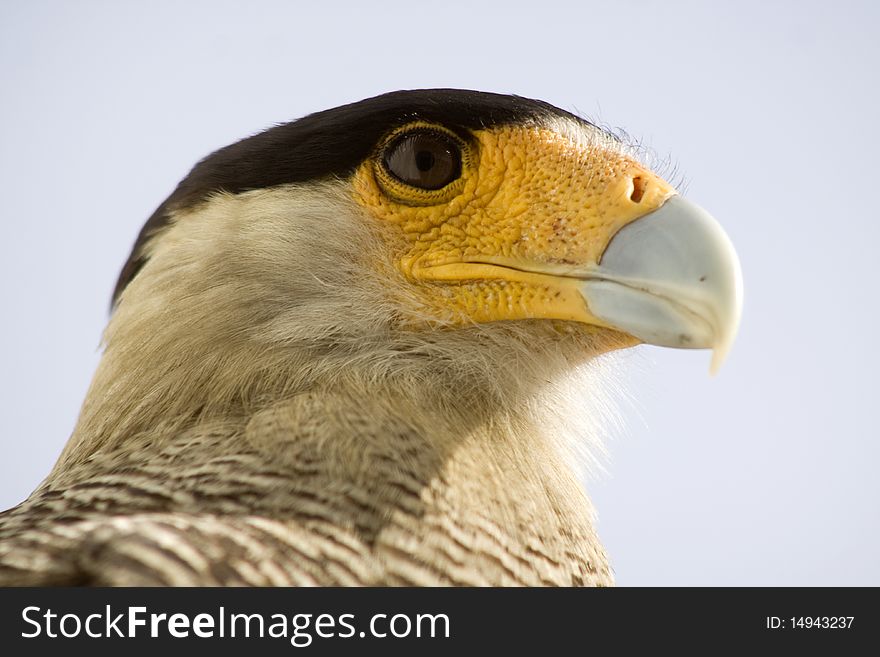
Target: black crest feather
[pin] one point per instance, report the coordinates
(329, 143)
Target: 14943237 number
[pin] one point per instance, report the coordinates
(822, 622)
(810, 622)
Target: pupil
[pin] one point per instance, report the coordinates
(424, 160)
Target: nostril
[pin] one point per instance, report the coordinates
(638, 191)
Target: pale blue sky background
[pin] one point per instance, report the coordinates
(765, 474)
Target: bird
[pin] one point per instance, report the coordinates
(368, 347)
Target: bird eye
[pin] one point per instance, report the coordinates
(428, 160)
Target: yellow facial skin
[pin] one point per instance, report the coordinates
(531, 209)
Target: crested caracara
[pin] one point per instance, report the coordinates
(361, 348)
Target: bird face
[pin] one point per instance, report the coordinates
(467, 250)
(490, 208)
(516, 222)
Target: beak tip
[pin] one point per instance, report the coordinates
(722, 348)
(719, 355)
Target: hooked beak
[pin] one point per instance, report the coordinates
(670, 278)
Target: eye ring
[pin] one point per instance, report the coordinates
(423, 158)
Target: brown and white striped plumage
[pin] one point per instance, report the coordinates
(281, 402)
(213, 507)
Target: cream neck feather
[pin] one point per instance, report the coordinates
(247, 300)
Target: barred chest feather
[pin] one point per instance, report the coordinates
(315, 490)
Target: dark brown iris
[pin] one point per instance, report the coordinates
(428, 160)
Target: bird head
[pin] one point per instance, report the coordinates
(407, 232)
(550, 219)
